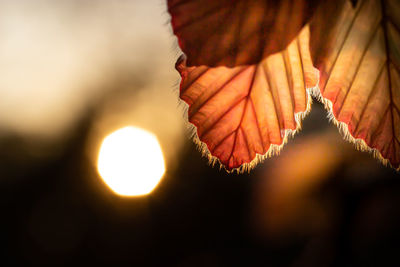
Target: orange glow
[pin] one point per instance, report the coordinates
(131, 162)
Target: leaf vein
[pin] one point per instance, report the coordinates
(369, 97)
(302, 71)
(289, 80)
(387, 50)
(357, 69)
(343, 42)
(247, 141)
(216, 92)
(374, 133)
(244, 108)
(257, 124)
(194, 80)
(266, 72)
(200, 19)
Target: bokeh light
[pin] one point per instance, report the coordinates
(131, 161)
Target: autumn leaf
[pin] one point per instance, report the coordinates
(236, 32)
(246, 113)
(354, 44)
(357, 51)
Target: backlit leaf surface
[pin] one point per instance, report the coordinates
(236, 32)
(246, 111)
(357, 51)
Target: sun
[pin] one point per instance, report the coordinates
(131, 161)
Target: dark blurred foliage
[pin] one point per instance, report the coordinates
(354, 3)
(57, 212)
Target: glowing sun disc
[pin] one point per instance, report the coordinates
(131, 162)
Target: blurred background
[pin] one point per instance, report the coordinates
(74, 71)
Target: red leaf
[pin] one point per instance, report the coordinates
(358, 55)
(236, 32)
(246, 111)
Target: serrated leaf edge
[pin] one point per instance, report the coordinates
(358, 143)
